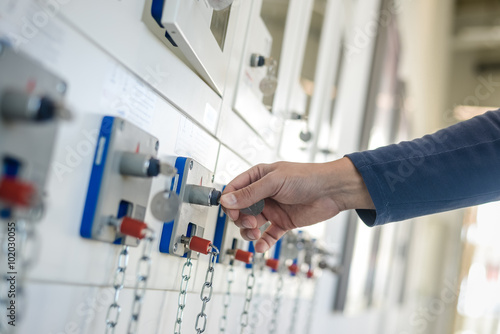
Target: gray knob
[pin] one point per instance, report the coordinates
(18, 105)
(201, 195)
(141, 165)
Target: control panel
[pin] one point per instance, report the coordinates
(31, 105)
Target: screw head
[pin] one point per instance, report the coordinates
(191, 164)
(176, 245)
(157, 145)
(61, 87)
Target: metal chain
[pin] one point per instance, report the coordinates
(276, 304)
(248, 299)
(114, 309)
(204, 296)
(296, 303)
(143, 271)
(227, 298)
(257, 298)
(312, 305)
(181, 303)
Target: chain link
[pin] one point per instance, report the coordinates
(296, 303)
(143, 272)
(181, 302)
(257, 296)
(248, 299)
(206, 296)
(312, 305)
(114, 309)
(227, 298)
(276, 304)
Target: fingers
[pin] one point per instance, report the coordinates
(250, 234)
(269, 238)
(248, 222)
(247, 189)
(246, 178)
(249, 195)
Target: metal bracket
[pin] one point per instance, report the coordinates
(191, 219)
(227, 237)
(111, 194)
(26, 140)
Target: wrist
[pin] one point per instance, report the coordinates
(346, 186)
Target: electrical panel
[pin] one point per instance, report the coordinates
(31, 104)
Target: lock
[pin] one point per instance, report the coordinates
(31, 107)
(198, 197)
(227, 236)
(269, 83)
(120, 182)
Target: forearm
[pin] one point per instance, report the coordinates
(344, 184)
(456, 167)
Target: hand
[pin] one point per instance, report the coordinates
(296, 195)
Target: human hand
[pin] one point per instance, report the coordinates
(296, 195)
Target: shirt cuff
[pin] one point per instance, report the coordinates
(380, 215)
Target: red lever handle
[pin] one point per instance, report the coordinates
(16, 192)
(133, 227)
(294, 269)
(200, 245)
(273, 264)
(310, 273)
(243, 256)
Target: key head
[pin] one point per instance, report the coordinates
(254, 209)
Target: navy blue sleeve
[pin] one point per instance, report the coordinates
(453, 168)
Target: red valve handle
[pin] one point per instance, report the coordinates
(200, 245)
(294, 269)
(16, 192)
(273, 264)
(243, 256)
(310, 273)
(133, 227)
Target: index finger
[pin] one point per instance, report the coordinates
(246, 178)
